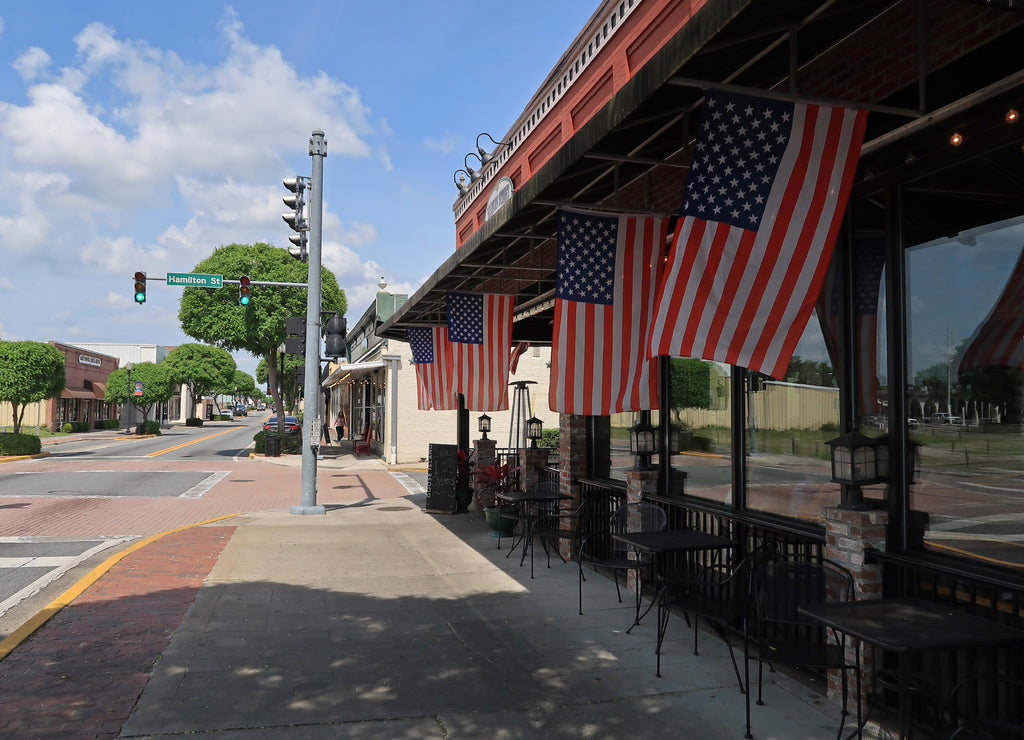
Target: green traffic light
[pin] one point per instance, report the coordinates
(244, 300)
(140, 297)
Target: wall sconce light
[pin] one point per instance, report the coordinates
(534, 430)
(858, 460)
(474, 175)
(483, 424)
(486, 157)
(461, 183)
(641, 442)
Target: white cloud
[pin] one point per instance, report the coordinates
(444, 145)
(32, 63)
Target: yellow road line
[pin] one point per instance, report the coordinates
(25, 631)
(974, 555)
(186, 444)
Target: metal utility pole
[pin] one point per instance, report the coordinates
(312, 408)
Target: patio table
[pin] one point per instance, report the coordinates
(907, 627)
(660, 544)
(528, 513)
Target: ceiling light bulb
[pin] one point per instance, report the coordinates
(1012, 115)
(956, 139)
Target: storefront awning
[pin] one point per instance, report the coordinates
(349, 369)
(77, 393)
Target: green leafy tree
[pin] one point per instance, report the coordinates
(241, 386)
(29, 372)
(157, 386)
(809, 372)
(213, 315)
(690, 384)
(204, 369)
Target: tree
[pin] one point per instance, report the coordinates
(29, 372)
(240, 387)
(202, 368)
(213, 315)
(157, 386)
(689, 385)
(289, 388)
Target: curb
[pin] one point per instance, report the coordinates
(15, 458)
(28, 628)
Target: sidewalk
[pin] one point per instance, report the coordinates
(376, 620)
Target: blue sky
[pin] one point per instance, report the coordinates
(144, 135)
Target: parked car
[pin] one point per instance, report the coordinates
(913, 423)
(291, 425)
(944, 418)
(241, 410)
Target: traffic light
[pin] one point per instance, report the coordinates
(336, 330)
(295, 218)
(140, 287)
(244, 291)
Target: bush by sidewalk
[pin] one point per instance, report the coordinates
(291, 444)
(19, 444)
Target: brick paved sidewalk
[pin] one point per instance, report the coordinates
(81, 673)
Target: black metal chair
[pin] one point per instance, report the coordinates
(550, 520)
(774, 631)
(715, 594)
(989, 706)
(601, 552)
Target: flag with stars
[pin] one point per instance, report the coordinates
(764, 199)
(608, 269)
(480, 331)
(432, 358)
(868, 264)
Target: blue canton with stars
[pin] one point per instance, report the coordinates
(586, 257)
(736, 158)
(422, 343)
(466, 317)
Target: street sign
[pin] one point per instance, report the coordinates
(195, 280)
(138, 388)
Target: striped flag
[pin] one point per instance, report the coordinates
(868, 265)
(608, 268)
(480, 330)
(432, 357)
(764, 198)
(999, 339)
(517, 351)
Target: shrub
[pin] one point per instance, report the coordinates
(194, 421)
(548, 438)
(829, 426)
(153, 427)
(108, 424)
(700, 443)
(223, 417)
(19, 444)
(66, 428)
(291, 444)
(75, 426)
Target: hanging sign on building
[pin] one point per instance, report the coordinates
(500, 195)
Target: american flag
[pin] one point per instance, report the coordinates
(764, 198)
(480, 330)
(999, 339)
(608, 267)
(868, 264)
(432, 357)
(517, 351)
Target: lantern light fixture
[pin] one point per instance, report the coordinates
(858, 460)
(483, 425)
(641, 442)
(534, 430)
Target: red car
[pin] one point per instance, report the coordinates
(291, 425)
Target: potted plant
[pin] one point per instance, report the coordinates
(491, 480)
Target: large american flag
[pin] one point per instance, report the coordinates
(480, 330)
(608, 268)
(868, 265)
(432, 357)
(764, 198)
(999, 339)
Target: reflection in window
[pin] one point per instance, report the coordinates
(965, 388)
(700, 427)
(788, 423)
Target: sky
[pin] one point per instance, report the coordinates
(142, 136)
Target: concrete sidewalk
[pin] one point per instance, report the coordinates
(381, 621)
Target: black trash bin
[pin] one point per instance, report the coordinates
(272, 445)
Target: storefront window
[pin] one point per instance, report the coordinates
(788, 425)
(700, 436)
(965, 388)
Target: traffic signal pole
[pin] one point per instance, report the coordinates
(312, 408)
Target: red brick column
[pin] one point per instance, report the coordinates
(572, 462)
(532, 458)
(638, 482)
(847, 534)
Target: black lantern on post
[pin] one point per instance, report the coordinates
(641, 442)
(483, 425)
(534, 430)
(858, 460)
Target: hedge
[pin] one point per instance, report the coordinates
(291, 444)
(153, 427)
(19, 444)
(193, 421)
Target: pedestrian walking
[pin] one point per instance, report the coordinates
(340, 423)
